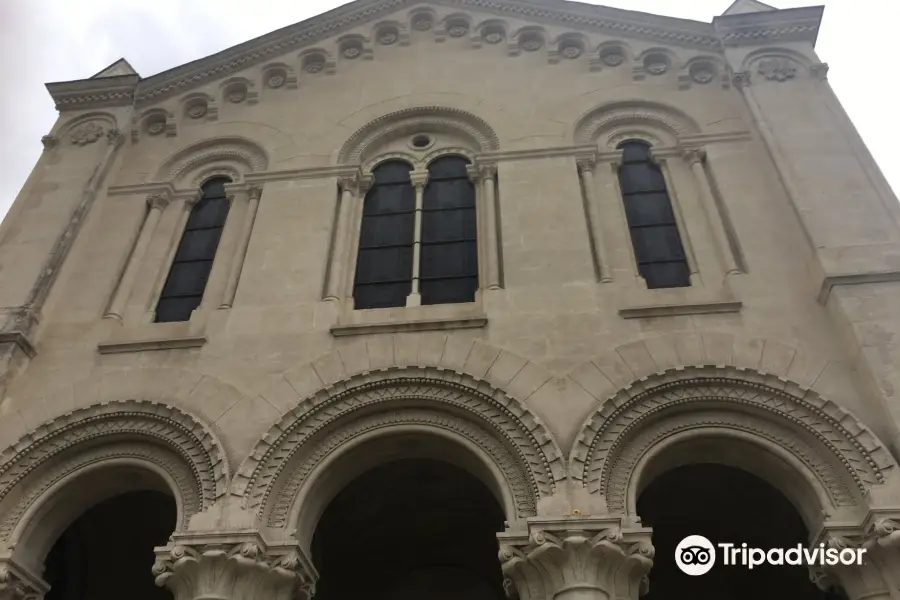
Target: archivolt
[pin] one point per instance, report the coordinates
(633, 113)
(147, 431)
(237, 152)
(500, 426)
(844, 455)
(413, 120)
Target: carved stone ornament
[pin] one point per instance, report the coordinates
(388, 36)
(656, 64)
(458, 29)
(612, 57)
(422, 23)
(240, 566)
(571, 51)
(17, 584)
(197, 111)
(50, 142)
(493, 37)
(593, 556)
(532, 43)
(777, 68)
(237, 96)
(158, 201)
(86, 134)
(314, 63)
(702, 73)
(276, 80)
(741, 79)
(351, 51)
(156, 127)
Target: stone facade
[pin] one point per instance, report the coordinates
(563, 379)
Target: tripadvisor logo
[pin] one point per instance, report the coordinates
(696, 555)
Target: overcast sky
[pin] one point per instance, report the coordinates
(62, 40)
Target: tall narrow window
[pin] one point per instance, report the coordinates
(449, 266)
(189, 273)
(654, 232)
(384, 264)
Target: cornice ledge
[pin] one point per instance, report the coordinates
(683, 32)
(742, 135)
(793, 24)
(141, 188)
(443, 324)
(304, 173)
(93, 93)
(549, 152)
(829, 283)
(687, 308)
(147, 345)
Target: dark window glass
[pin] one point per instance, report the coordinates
(189, 273)
(384, 263)
(449, 266)
(648, 208)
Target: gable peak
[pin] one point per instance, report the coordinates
(116, 69)
(742, 7)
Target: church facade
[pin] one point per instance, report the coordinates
(457, 299)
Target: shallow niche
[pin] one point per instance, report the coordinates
(196, 109)
(612, 56)
(236, 92)
(314, 63)
(702, 72)
(656, 63)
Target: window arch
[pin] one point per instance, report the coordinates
(193, 261)
(385, 260)
(660, 255)
(449, 267)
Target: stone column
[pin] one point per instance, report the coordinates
(695, 158)
(240, 252)
(349, 186)
(187, 205)
(878, 577)
(485, 177)
(157, 203)
(419, 180)
(576, 559)
(238, 566)
(586, 168)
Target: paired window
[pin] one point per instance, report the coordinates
(654, 231)
(190, 270)
(444, 232)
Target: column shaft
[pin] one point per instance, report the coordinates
(240, 252)
(490, 222)
(419, 180)
(339, 258)
(586, 172)
(156, 203)
(713, 214)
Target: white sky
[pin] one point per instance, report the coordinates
(61, 40)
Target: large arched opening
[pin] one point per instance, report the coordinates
(107, 552)
(725, 505)
(408, 529)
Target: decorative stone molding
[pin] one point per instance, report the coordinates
(464, 402)
(597, 557)
(636, 112)
(777, 68)
(819, 71)
(234, 566)
(412, 120)
(741, 79)
(16, 583)
(161, 431)
(86, 134)
(630, 423)
(49, 142)
(241, 152)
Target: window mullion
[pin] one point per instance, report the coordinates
(419, 179)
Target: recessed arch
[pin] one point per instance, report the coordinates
(98, 452)
(833, 460)
(234, 156)
(488, 426)
(601, 124)
(475, 131)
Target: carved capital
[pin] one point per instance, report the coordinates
(350, 182)
(234, 567)
(595, 556)
(741, 79)
(254, 192)
(419, 179)
(158, 201)
(18, 584)
(480, 172)
(693, 156)
(50, 142)
(115, 137)
(586, 164)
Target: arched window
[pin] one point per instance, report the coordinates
(384, 264)
(449, 267)
(654, 232)
(187, 277)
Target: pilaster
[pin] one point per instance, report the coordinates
(576, 558)
(17, 583)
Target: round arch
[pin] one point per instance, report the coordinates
(463, 128)
(362, 421)
(51, 476)
(231, 156)
(818, 455)
(611, 123)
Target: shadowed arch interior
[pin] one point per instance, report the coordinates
(725, 505)
(409, 529)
